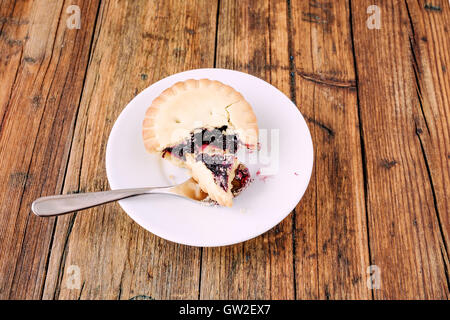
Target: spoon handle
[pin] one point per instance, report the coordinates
(62, 204)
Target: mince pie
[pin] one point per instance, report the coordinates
(199, 125)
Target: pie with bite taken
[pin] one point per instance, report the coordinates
(199, 125)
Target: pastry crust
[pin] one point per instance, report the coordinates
(205, 180)
(193, 104)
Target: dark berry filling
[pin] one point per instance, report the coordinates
(200, 139)
(219, 165)
(241, 179)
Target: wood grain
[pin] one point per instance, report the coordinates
(430, 48)
(331, 239)
(252, 37)
(118, 259)
(376, 102)
(405, 238)
(42, 70)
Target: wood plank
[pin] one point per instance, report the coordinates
(405, 240)
(331, 235)
(252, 37)
(430, 42)
(42, 69)
(136, 44)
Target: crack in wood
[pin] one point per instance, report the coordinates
(292, 86)
(417, 85)
(445, 259)
(433, 192)
(361, 135)
(418, 131)
(57, 286)
(81, 290)
(217, 33)
(327, 129)
(415, 64)
(327, 81)
(215, 66)
(200, 274)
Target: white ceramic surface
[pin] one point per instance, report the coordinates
(265, 203)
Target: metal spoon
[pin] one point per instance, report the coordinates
(62, 204)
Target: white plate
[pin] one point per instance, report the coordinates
(265, 203)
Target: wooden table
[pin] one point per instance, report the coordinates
(376, 98)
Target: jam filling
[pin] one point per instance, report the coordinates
(241, 179)
(200, 139)
(219, 165)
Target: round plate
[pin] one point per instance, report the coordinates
(281, 169)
